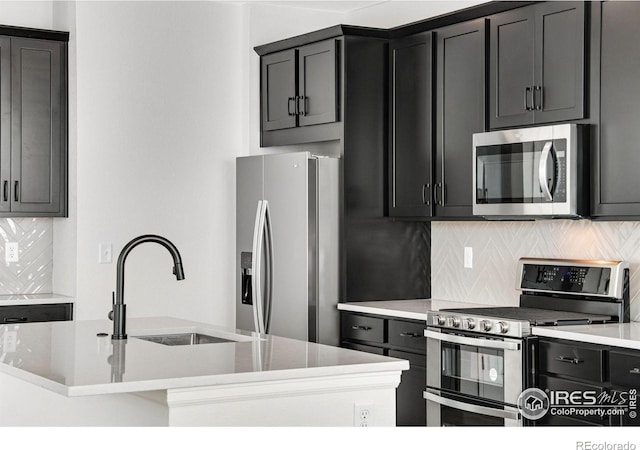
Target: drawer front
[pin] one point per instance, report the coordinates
(407, 335)
(362, 328)
(624, 369)
(363, 348)
(35, 313)
(582, 362)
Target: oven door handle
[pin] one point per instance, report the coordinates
(476, 342)
(510, 413)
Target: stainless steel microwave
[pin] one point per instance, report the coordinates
(531, 173)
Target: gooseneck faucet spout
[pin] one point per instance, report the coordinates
(118, 313)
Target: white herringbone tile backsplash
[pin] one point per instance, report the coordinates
(33, 273)
(497, 246)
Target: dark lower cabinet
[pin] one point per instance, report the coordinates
(397, 338)
(588, 384)
(36, 313)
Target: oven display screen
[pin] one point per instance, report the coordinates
(573, 279)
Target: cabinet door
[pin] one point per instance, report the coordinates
(511, 68)
(460, 112)
(559, 65)
(410, 177)
(5, 122)
(318, 91)
(411, 407)
(38, 89)
(616, 161)
(278, 90)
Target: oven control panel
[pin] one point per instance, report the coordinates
(460, 321)
(583, 277)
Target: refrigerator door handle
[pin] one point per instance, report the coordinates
(256, 269)
(269, 267)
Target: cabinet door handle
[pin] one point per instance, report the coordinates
(440, 199)
(360, 327)
(527, 91)
(426, 194)
(411, 335)
(16, 197)
(302, 111)
(291, 100)
(537, 105)
(5, 191)
(635, 371)
(569, 359)
(15, 319)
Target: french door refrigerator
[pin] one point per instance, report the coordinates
(287, 246)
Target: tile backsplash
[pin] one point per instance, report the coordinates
(497, 246)
(33, 273)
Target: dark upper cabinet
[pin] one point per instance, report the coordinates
(299, 86)
(411, 113)
(460, 112)
(616, 78)
(537, 64)
(437, 102)
(33, 126)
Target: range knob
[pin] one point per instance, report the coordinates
(485, 325)
(439, 320)
(456, 322)
(469, 323)
(503, 327)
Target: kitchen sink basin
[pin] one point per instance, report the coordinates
(183, 339)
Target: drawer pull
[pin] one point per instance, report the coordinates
(411, 335)
(635, 371)
(568, 359)
(15, 319)
(360, 327)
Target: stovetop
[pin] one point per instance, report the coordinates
(507, 321)
(535, 316)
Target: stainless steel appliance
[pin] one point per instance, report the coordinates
(479, 360)
(287, 246)
(533, 172)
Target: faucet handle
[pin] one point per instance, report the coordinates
(113, 302)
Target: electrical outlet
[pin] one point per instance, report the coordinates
(11, 252)
(363, 415)
(105, 253)
(468, 257)
(10, 340)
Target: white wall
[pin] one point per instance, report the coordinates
(158, 130)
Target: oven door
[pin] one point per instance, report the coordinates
(449, 410)
(470, 365)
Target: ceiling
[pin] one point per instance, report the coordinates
(333, 6)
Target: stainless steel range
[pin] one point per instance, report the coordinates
(479, 360)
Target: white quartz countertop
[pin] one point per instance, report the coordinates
(625, 335)
(71, 359)
(34, 299)
(404, 309)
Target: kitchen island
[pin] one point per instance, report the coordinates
(73, 374)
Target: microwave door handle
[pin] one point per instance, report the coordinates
(475, 342)
(542, 171)
(469, 407)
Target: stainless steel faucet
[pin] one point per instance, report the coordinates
(119, 312)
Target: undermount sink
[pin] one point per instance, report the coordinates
(183, 339)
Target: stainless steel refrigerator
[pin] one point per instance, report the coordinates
(287, 246)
